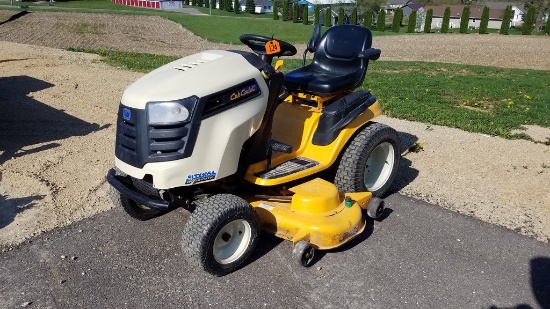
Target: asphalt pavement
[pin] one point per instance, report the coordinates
(419, 256)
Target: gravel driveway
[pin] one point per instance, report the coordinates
(59, 108)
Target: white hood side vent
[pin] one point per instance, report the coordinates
(190, 65)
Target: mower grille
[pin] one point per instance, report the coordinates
(138, 143)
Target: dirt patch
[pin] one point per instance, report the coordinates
(59, 108)
(538, 134)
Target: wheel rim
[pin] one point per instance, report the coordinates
(379, 166)
(307, 256)
(232, 241)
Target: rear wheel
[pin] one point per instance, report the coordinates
(221, 234)
(370, 161)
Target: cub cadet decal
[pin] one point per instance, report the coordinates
(200, 177)
(247, 90)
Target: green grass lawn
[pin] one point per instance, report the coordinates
(472, 98)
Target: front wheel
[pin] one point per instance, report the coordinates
(133, 209)
(221, 234)
(370, 161)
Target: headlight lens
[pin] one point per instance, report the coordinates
(163, 113)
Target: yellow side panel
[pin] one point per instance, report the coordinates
(295, 124)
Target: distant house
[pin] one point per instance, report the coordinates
(261, 6)
(495, 16)
(411, 6)
(518, 10)
(393, 5)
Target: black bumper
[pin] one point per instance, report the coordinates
(123, 185)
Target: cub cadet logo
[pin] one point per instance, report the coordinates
(200, 177)
(241, 93)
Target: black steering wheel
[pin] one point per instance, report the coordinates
(257, 44)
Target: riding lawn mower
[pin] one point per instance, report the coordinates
(247, 148)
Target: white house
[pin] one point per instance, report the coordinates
(261, 6)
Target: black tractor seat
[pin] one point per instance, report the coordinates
(340, 62)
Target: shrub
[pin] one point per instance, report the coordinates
(484, 21)
(250, 6)
(206, 3)
(295, 11)
(397, 19)
(428, 21)
(353, 20)
(276, 10)
(186, 2)
(446, 20)
(506, 20)
(285, 10)
(529, 22)
(547, 26)
(236, 7)
(412, 22)
(305, 16)
(465, 19)
(340, 15)
(381, 20)
(317, 10)
(367, 19)
(328, 16)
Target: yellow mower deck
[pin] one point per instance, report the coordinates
(317, 213)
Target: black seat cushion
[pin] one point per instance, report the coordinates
(336, 66)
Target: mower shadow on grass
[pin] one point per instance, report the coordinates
(25, 121)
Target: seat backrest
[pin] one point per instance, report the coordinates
(337, 50)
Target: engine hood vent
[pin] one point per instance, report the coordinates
(191, 65)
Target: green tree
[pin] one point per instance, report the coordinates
(547, 26)
(381, 20)
(236, 7)
(200, 3)
(367, 19)
(465, 19)
(529, 22)
(397, 19)
(305, 16)
(213, 4)
(250, 6)
(276, 10)
(194, 2)
(541, 8)
(374, 5)
(317, 10)
(295, 10)
(328, 17)
(411, 27)
(428, 21)
(484, 20)
(186, 2)
(285, 10)
(446, 20)
(206, 3)
(340, 15)
(353, 19)
(506, 20)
